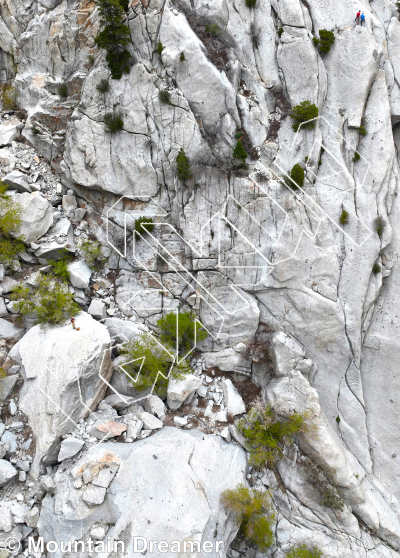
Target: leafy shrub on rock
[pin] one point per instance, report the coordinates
(63, 90)
(59, 268)
(143, 225)
(114, 37)
(344, 217)
(92, 254)
(325, 41)
(239, 152)
(267, 436)
(254, 512)
(302, 114)
(180, 329)
(10, 222)
(149, 364)
(297, 176)
(51, 303)
(103, 86)
(303, 551)
(183, 166)
(113, 122)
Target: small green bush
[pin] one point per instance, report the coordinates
(361, 130)
(304, 552)
(8, 96)
(302, 113)
(103, 86)
(11, 244)
(379, 225)
(35, 131)
(59, 268)
(183, 166)
(146, 362)
(91, 59)
(181, 330)
(113, 122)
(280, 31)
(239, 152)
(51, 303)
(182, 57)
(254, 512)
(164, 97)
(213, 29)
(331, 499)
(160, 48)
(143, 225)
(344, 217)
(297, 175)
(251, 3)
(91, 253)
(114, 37)
(356, 156)
(124, 4)
(325, 41)
(376, 269)
(63, 90)
(267, 435)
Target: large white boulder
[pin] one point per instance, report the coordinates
(37, 216)
(233, 400)
(17, 180)
(10, 130)
(179, 390)
(61, 237)
(167, 487)
(79, 274)
(65, 372)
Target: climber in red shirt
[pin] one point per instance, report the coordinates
(358, 17)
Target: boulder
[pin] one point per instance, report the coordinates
(105, 429)
(37, 216)
(154, 405)
(3, 309)
(69, 204)
(10, 331)
(7, 472)
(234, 403)
(6, 386)
(8, 284)
(17, 181)
(168, 487)
(150, 422)
(65, 373)
(123, 330)
(61, 238)
(97, 309)
(79, 275)
(69, 448)
(179, 390)
(94, 495)
(10, 130)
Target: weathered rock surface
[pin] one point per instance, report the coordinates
(179, 390)
(63, 371)
(192, 466)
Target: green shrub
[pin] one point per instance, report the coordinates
(113, 122)
(356, 156)
(164, 97)
(325, 41)
(297, 175)
(160, 48)
(63, 90)
(11, 244)
(304, 552)
(344, 217)
(8, 96)
(251, 3)
(148, 364)
(331, 499)
(361, 130)
(91, 59)
(213, 29)
(91, 253)
(239, 152)
(280, 31)
(302, 113)
(379, 225)
(103, 86)
(35, 131)
(182, 57)
(124, 4)
(114, 37)
(254, 512)
(377, 268)
(51, 303)
(143, 225)
(267, 435)
(59, 268)
(183, 166)
(181, 330)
